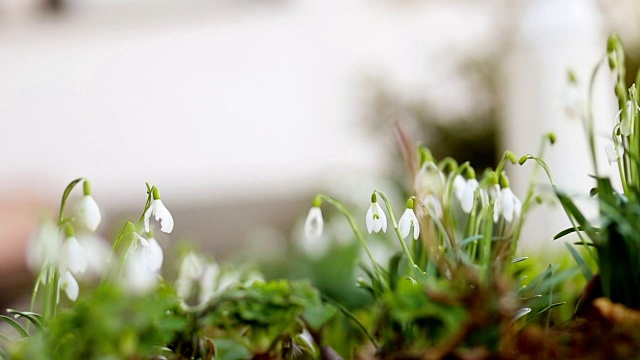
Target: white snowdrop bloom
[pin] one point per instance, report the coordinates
(208, 282)
(496, 195)
(408, 220)
(376, 219)
(511, 205)
(43, 247)
(313, 224)
(154, 255)
(69, 285)
(138, 278)
(458, 186)
(429, 180)
(96, 251)
(88, 212)
(612, 154)
(484, 197)
(468, 195)
(191, 269)
(160, 212)
(625, 124)
(433, 203)
(72, 257)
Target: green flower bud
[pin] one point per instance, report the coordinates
(425, 155)
(511, 156)
(374, 197)
(552, 139)
(492, 178)
(87, 187)
(504, 180)
(410, 203)
(471, 173)
(156, 193)
(68, 231)
(317, 201)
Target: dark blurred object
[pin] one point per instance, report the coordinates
(470, 137)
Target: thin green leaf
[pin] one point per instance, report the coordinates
(34, 318)
(14, 324)
(581, 262)
(519, 259)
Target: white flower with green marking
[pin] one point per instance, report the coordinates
(409, 221)
(160, 212)
(376, 219)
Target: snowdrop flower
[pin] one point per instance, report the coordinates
(152, 255)
(458, 186)
(496, 195)
(313, 224)
(433, 203)
(511, 205)
(429, 180)
(96, 251)
(408, 220)
(160, 211)
(208, 282)
(191, 269)
(87, 211)
(69, 285)
(376, 219)
(613, 155)
(625, 124)
(43, 247)
(72, 257)
(468, 195)
(138, 278)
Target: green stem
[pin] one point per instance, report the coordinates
(338, 205)
(65, 196)
(412, 264)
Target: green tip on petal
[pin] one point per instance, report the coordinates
(571, 76)
(87, 187)
(129, 227)
(509, 155)
(471, 173)
(156, 193)
(493, 178)
(425, 155)
(523, 159)
(504, 180)
(410, 203)
(374, 197)
(552, 139)
(68, 231)
(317, 201)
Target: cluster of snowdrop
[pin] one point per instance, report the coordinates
(432, 189)
(60, 257)
(451, 211)
(205, 279)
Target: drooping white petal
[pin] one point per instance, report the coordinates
(88, 212)
(154, 255)
(138, 278)
(484, 198)
(163, 215)
(468, 195)
(313, 224)
(508, 204)
(96, 251)
(141, 241)
(369, 219)
(70, 286)
(376, 219)
(407, 220)
(73, 258)
(496, 195)
(429, 180)
(147, 216)
(43, 247)
(517, 207)
(458, 186)
(416, 226)
(610, 149)
(433, 203)
(208, 282)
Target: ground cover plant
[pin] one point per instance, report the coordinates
(451, 284)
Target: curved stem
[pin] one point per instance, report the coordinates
(412, 264)
(338, 205)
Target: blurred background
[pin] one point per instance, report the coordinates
(240, 111)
